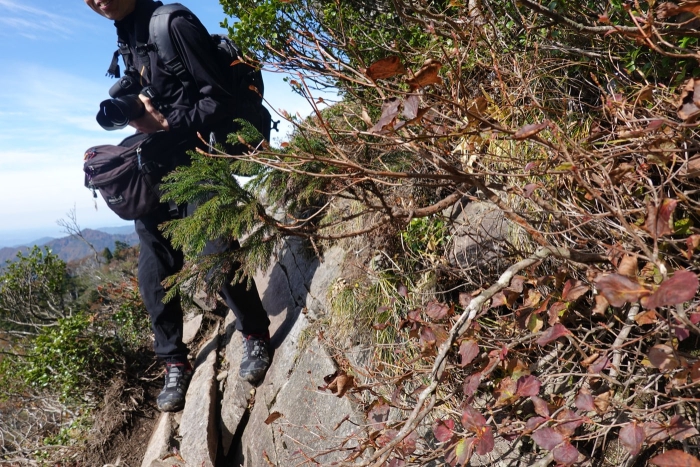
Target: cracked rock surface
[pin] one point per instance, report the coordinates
(224, 420)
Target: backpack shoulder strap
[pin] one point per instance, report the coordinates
(159, 34)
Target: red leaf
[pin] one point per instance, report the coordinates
(530, 130)
(529, 189)
(471, 384)
(468, 351)
(663, 357)
(566, 454)
(427, 337)
(485, 442)
(568, 422)
(573, 290)
(534, 422)
(541, 406)
(632, 437)
(679, 428)
(527, 386)
(584, 401)
(552, 334)
(402, 290)
(379, 413)
(396, 462)
(619, 289)
(547, 438)
(694, 318)
(658, 219)
(678, 289)
(437, 310)
(675, 458)
(655, 432)
(599, 364)
(443, 430)
(472, 419)
(460, 452)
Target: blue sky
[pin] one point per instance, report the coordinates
(53, 57)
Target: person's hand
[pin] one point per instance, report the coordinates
(151, 120)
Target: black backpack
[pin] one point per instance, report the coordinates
(245, 81)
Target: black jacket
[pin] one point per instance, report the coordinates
(200, 110)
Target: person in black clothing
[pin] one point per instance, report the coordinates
(207, 110)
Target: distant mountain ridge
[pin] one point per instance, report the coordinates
(71, 249)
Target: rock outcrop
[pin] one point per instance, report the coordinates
(285, 419)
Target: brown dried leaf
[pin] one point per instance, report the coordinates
(584, 401)
(602, 402)
(386, 68)
(528, 386)
(541, 406)
(272, 417)
(410, 108)
(628, 266)
(437, 310)
(601, 305)
(505, 393)
(648, 317)
(655, 432)
(428, 74)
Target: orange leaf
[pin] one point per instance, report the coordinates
(675, 458)
(272, 417)
(386, 68)
(428, 74)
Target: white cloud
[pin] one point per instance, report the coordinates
(32, 22)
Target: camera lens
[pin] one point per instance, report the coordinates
(116, 113)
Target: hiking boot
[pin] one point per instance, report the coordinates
(177, 379)
(256, 358)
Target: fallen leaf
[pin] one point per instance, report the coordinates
(573, 290)
(601, 305)
(628, 266)
(378, 413)
(648, 317)
(437, 310)
(272, 417)
(602, 402)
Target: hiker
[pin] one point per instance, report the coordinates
(181, 112)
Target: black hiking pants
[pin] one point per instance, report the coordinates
(158, 260)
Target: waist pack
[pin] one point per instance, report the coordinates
(128, 175)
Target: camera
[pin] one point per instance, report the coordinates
(124, 105)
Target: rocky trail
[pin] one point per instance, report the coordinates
(286, 419)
